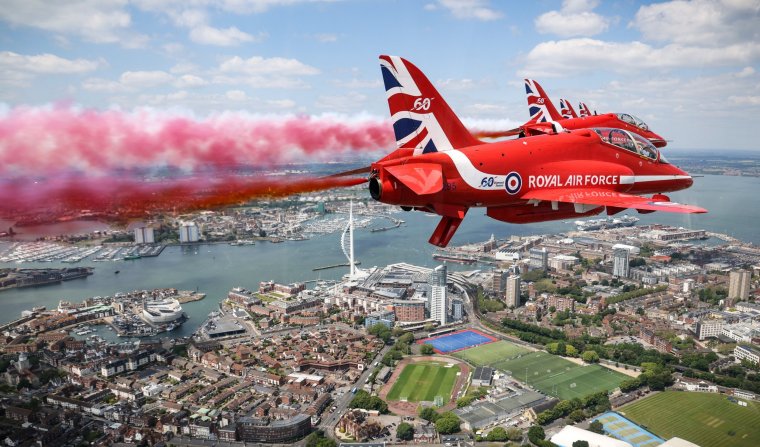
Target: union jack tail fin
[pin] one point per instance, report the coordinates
(566, 108)
(539, 105)
(422, 120)
(583, 109)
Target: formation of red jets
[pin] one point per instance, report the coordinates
(557, 167)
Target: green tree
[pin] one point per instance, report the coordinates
(497, 434)
(427, 349)
(577, 415)
(381, 331)
(363, 400)
(590, 356)
(514, 434)
(596, 427)
(318, 439)
(447, 423)
(536, 434)
(428, 413)
(405, 432)
(630, 384)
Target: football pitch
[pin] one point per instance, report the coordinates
(702, 418)
(491, 353)
(558, 377)
(424, 381)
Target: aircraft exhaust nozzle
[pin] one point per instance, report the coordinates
(375, 189)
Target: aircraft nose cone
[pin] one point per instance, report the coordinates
(688, 182)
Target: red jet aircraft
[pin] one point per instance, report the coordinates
(439, 167)
(542, 110)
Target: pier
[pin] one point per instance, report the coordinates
(333, 266)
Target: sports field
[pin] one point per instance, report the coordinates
(558, 377)
(702, 418)
(424, 381)
(491, 353)
(621, 428)
(456, 341)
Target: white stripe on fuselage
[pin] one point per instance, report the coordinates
(474, 177)
(632, 179)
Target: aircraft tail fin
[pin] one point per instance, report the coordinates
(422, 120)
(566, 109)
(539, 105)
(583, 110)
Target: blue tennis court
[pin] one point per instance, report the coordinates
(621, 428)
(456, 341)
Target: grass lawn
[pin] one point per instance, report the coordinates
(558, 377)
(491, 353)
(423, 381)
(702, 418)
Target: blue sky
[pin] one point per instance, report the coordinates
(688, 68)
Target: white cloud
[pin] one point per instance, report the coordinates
(183, 67)
(281, 103)
(145, 79)
(350, 102)
(258, 81)
(236, 95)
(326, 37)
(45, 63)
(746, 71)
(102, 85)
(467, 9)
(576, 18)
(188, 81)
(457, 84)
(479, 109)
(258, 65)
(745, 100)
(100, 21)
(208, 35)
(572, 56)
(259, 6)
(704, 22)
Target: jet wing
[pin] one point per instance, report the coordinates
(614, 199)
(422, 178)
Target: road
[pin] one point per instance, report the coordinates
(341, 402)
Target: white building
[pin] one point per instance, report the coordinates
(438, 304)
(189, 232)
(741, 332)
(631, 249)
(457, 310)
(563, 262)
(144, 235)
(162, 311)
(708, 328)
(620, 266)
(738, 285)
(747, 352)
(513, 291)
(539, 258)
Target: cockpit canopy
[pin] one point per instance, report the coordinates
(631, 142)
(632, 120)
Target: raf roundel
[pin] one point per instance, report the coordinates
(513, 183)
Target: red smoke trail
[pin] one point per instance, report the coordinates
(53, 142)
(47, 140)
(125, 198)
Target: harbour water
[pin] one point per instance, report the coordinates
(214, 269)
